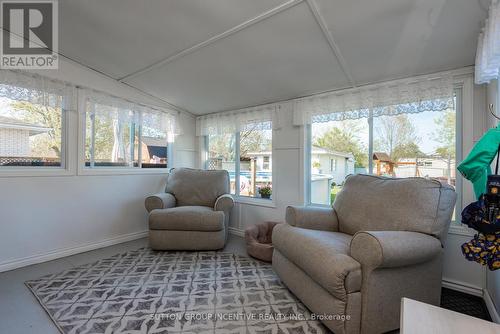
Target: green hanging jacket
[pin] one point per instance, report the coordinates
(476, 167)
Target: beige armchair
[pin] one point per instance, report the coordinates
(381, 241)
(193, 213)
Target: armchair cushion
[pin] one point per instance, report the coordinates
(374, 203)
(196, 186)
(159, 201)
(386, 249)
(315, 218)
(323, 255)
(187, 218)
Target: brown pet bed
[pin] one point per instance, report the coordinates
(259, 241)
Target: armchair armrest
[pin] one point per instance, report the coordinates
(314, 218)
(160, 201)
(224, 203)
(386, 249)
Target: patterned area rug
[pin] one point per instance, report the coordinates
(145, 291)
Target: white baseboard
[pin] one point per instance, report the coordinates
(491, 307)
(462, 287)
(237, 231)
(58, 253)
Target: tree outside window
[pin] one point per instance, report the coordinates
(30, 134)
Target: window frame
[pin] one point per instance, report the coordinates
(67, 167)
(463, 94)
(88, 170)
(257, 201)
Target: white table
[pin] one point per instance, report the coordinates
(418, 318)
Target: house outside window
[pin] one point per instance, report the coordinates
(28, 142)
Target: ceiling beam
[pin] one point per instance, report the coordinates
(213, 39)
(333, 45)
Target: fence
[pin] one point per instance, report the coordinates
(29, 161)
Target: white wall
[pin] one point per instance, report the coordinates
(185, 146)
(42, 217)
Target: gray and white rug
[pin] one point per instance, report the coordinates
(144, 291)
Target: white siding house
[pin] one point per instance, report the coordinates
(336, 165)
(434, 167)
(328, 167)
(15, 137)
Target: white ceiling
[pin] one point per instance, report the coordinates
(212, 55)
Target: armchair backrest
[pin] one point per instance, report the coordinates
(372, 203)
(197, 186)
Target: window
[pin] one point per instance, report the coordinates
(419, 144)
(266, 163)
(333, 165)
(251, 174)
(154, 141)
(31, 134)
(221, 155)
(346, 141)
(255, 147)
(110, 140)
(124, 137)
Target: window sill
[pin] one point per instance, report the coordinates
(34, 172)
(256, 201)
(315, 205)
(460, 229)
(122, 171)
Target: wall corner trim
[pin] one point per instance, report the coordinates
(495, 317)
(63, 252)
(236, 231)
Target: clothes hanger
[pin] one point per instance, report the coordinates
(490, 108)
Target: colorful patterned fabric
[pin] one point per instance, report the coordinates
(475, 216)
(484, 249)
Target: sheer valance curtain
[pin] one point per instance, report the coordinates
(124, 111)
(36, 89)
(418, 94)
(488, 47)
(266, 117)
(413, 95)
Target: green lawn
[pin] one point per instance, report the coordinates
(334, 193)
